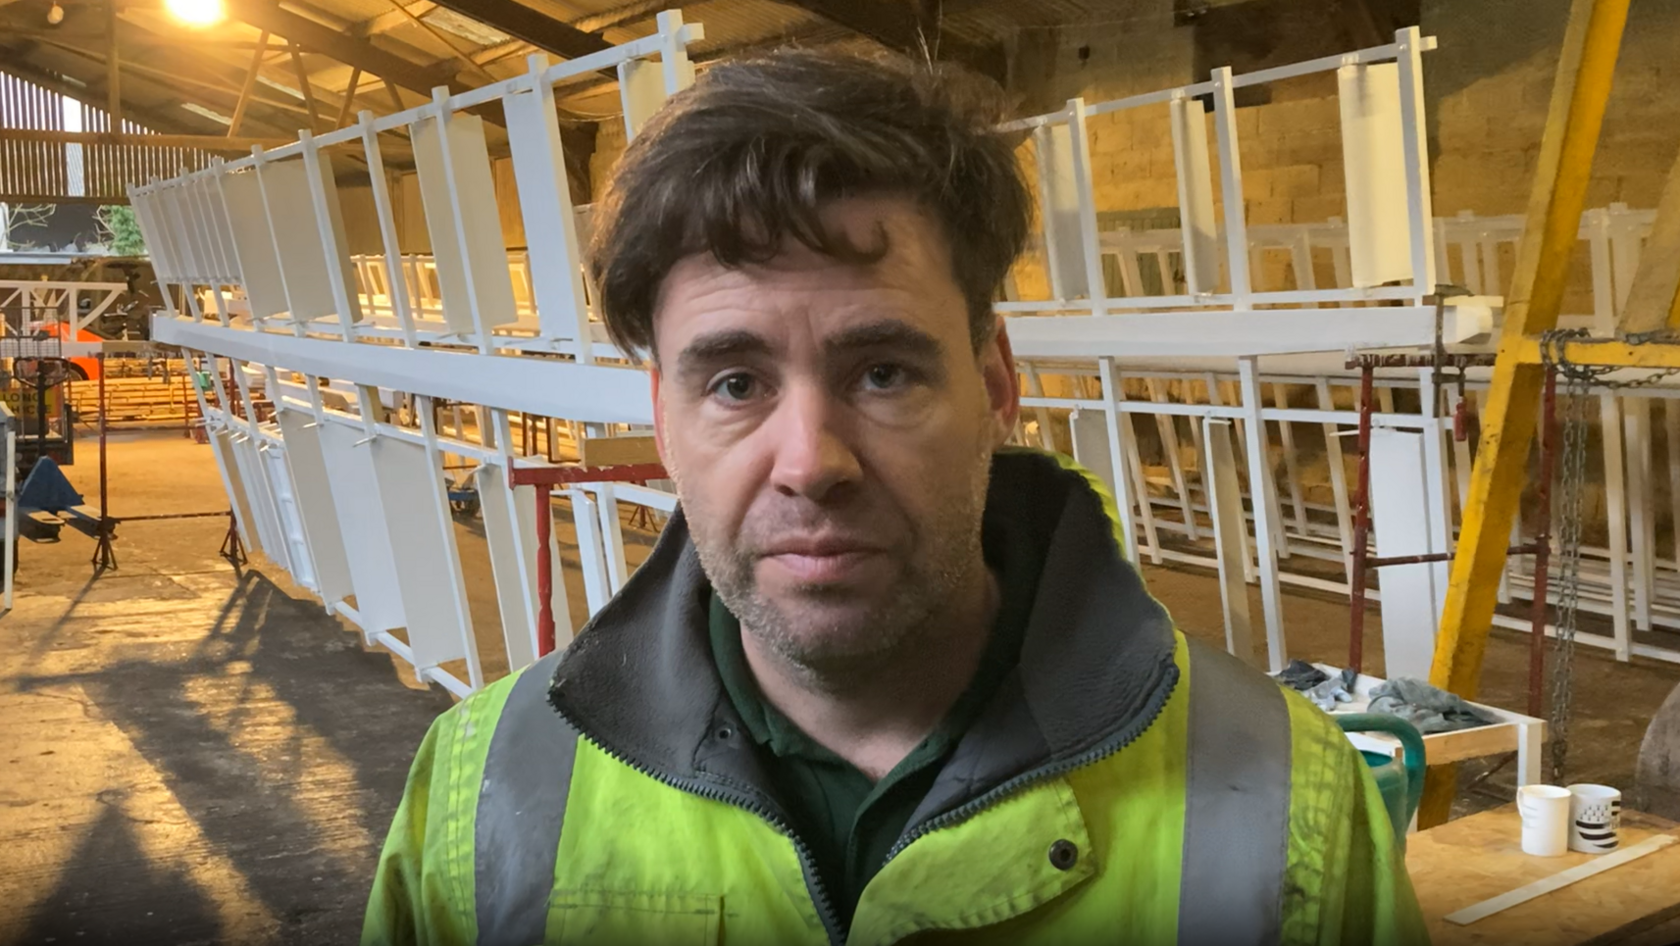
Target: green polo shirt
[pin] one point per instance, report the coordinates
(850, 822)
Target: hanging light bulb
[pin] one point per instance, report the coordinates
(197, 12)
(55, 15)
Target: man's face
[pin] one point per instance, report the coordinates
(830, 431)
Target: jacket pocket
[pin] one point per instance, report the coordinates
(630, 918)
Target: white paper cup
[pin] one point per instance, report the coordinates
(1595, 818)
(1545, 819)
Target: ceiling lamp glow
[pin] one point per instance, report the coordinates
(196, 12)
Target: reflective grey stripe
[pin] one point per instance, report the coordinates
(1236, 812)
(521, 807)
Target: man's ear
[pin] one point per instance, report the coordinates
(1003, 383)
(658, 415)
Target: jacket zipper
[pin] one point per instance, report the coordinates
(815, 886)
(756, 806)
(1044, 773)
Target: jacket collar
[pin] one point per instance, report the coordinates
(1096, 662)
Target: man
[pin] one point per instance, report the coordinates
(881, 679)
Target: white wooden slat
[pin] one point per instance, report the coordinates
(1229, 532)
(1398, 493)
(1563, 878)
(259, 267)
(586, 517)
(1373, 155)
(361, 521)
(476, 284)
(261, 496)
(545, 206)
(189, 254)
(512, 560)
(427, 565)
(1195, 197)
(297, 238)
(312, 492)
(302, 565)
(641, 85)
(233, 477)
(1059, 211)
(1268, 522)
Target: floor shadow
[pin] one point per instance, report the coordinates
(299, 837)
(152, 903)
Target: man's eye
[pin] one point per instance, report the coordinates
(884, 376)
(735, 387)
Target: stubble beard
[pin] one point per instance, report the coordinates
(944, 561)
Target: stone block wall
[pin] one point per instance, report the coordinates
(1487, 87)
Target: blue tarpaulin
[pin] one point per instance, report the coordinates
(46, 488)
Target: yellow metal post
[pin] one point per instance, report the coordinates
(1585, 66)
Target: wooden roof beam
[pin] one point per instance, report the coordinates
(145, 41)
(13, 61)
(523, 23)
(216, 87)
(229, 75)
(343, 47)
(627, 13)
(392, 19)
(911, 28)
(218, 143)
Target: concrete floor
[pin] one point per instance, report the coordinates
(193, 755)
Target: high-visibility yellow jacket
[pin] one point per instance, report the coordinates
(1124, 786)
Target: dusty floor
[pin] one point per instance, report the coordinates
(192, 755)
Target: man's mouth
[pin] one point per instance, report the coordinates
(820, 561)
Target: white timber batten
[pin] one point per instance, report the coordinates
(548, 387)
(1233, 335)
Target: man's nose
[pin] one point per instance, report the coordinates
(812, 455)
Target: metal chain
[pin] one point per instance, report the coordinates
(1569, 570)
(1551, 349)
(1578, 382)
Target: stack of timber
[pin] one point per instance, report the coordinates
(134, 403)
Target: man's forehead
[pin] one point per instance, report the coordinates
(800, 284)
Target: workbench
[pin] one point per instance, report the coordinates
(1476, 858)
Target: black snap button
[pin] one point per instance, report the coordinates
(724, 732)
(1064, 854)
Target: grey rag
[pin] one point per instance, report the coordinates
(1335, 690)
(1430, 709)
(1300, 675)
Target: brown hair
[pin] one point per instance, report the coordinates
(755, 149)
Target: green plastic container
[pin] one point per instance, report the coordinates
(1401, 781)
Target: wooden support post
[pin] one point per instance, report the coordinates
(437, 34)
(349, 97)
(303, 86)
(249, 84)
(113, 74)
(1653, 300)
(1585, 66)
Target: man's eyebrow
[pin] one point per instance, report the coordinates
(714, 346)
(888, 333)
